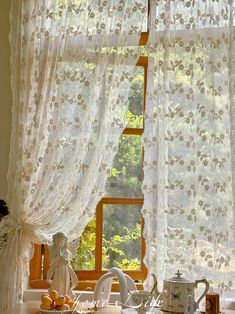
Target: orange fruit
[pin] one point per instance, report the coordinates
(60, 300)
(45, 307)
(66, 307)
(53, 295)
(45, 294)
(67, 299)
(71, 304)
(46, 300)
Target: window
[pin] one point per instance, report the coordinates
(187, 89)
(118, 224)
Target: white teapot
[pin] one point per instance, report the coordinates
(176, 291)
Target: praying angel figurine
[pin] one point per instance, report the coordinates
(61, 276)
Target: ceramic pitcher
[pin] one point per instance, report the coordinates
(176, 290)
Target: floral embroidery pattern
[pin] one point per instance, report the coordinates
(71, 75)
(189, 138)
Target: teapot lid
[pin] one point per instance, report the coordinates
(178, 277)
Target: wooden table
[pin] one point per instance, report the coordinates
(32, 307)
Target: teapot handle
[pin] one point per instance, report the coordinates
(206, 283)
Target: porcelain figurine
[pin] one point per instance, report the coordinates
(61, 276)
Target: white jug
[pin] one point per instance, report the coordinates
(176, 291)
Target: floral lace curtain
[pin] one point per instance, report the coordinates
(71, 73)
(189, 141)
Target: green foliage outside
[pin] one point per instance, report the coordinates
(121, 236)
(85, 257)
(115, 250)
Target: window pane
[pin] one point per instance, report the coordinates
(125, 178)
(121, 236)
(134, 113)
(85, 257)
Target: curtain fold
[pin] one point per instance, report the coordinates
(189, 142)
(70, 88)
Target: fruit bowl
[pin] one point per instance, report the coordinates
(52, 302)
(56, 311)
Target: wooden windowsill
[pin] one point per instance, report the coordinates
(32, 307)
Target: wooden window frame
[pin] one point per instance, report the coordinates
(39, 264)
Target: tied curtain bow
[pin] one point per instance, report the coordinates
(71, 73)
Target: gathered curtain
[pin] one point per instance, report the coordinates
(189, 142)
(71, 73)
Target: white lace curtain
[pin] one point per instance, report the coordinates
(70, 87)
(189, 141)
